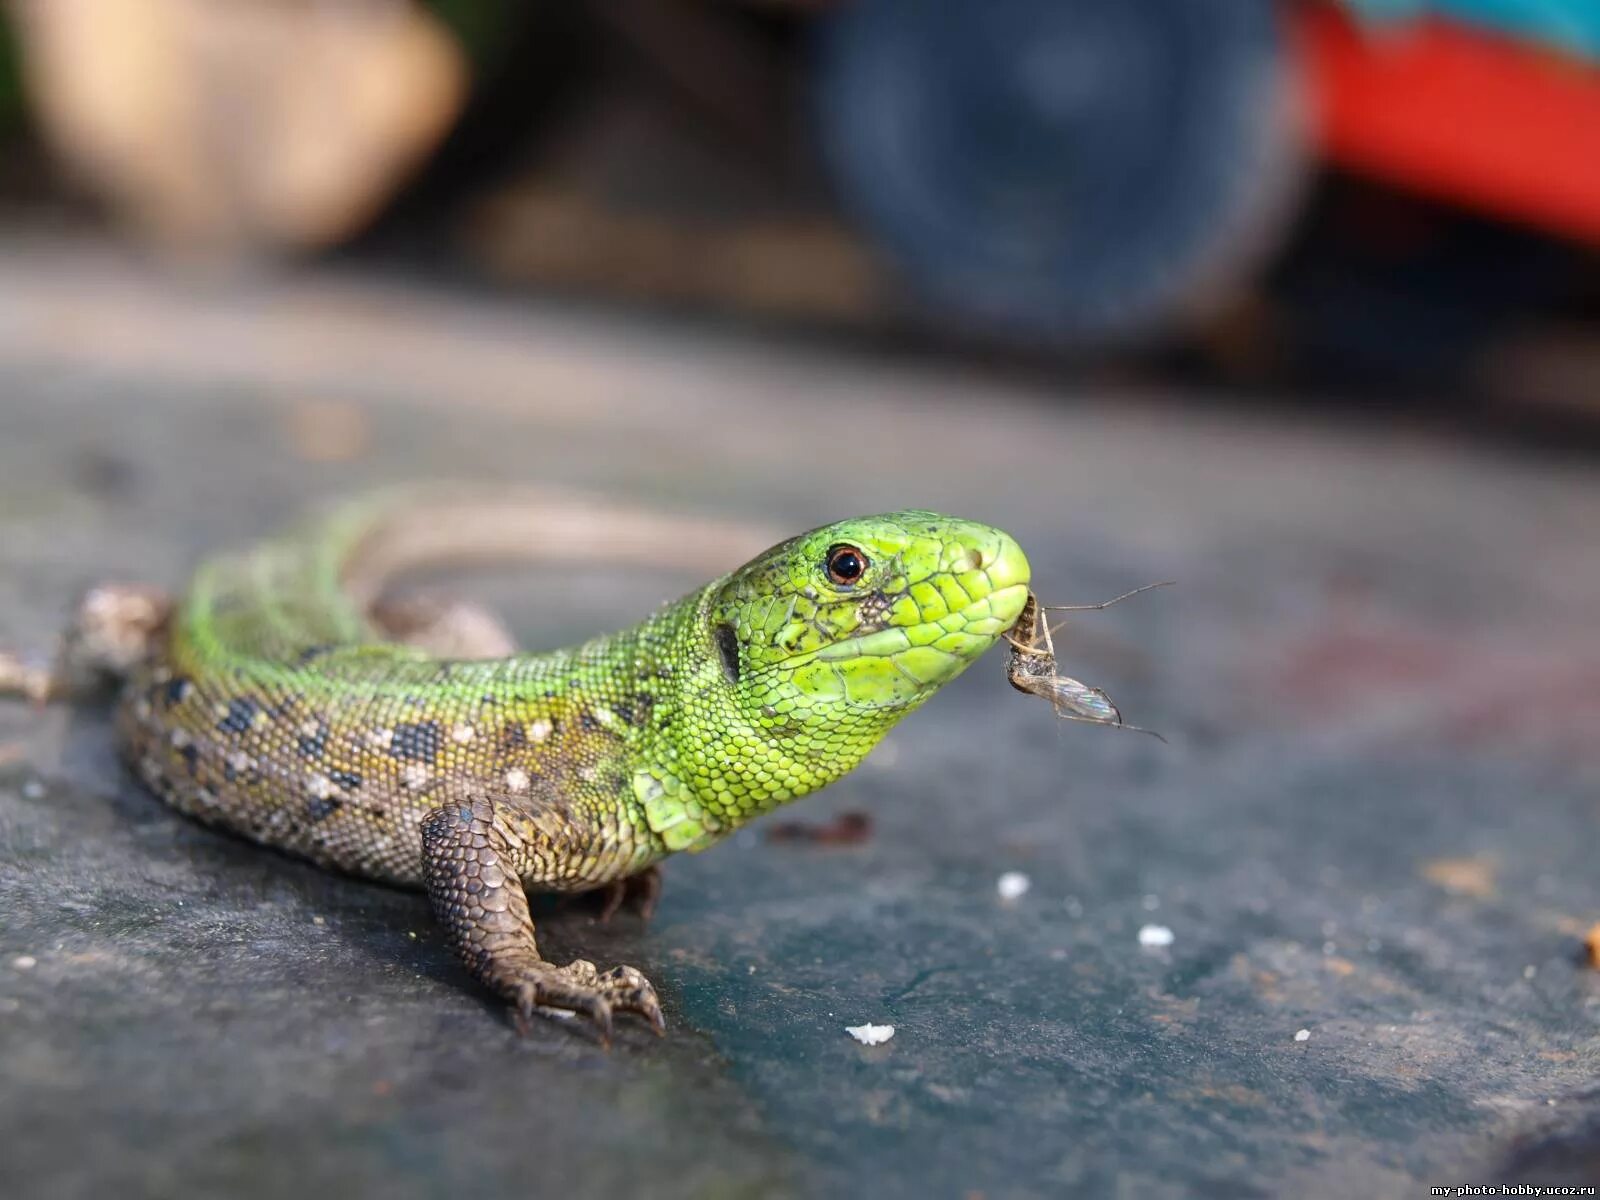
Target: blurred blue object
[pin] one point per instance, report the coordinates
(1071, 171)
(1573, 25)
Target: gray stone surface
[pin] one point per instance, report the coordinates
(1375, 820)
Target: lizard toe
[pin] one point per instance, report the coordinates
(629, 991)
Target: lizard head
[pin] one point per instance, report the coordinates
(829, 638)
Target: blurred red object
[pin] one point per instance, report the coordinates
(1466, 115)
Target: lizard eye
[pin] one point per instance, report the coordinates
(846, 564)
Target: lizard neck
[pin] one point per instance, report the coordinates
(722, 757)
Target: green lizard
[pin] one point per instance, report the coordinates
(277, 699)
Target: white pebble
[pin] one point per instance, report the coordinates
(33, 790)
(1155, 935)
(1302, 1035)
(870, 1035)
(1013, 885)
(24, 962)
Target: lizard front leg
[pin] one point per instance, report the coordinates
(474, 857)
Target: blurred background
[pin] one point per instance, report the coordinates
(1324, 196)
(1295, 303)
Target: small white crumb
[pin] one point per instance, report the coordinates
(24, 962)
(318, 921)
(33, 790)
(1529, 971)
(1302, 1035)
(1013, 885)
(1154, 935)
(870, 1035)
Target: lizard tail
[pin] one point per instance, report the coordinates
(315, 587)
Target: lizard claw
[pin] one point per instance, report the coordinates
(580, 989)
(629, 991)
(640, 891)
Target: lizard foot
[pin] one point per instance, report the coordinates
(640, 891)
(580, 988)
(113, 630)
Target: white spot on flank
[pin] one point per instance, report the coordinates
(870, 1035)
(1302, 1035)
(517, 779)
(462, 734)
(240, 761)
(380, 738)
(320, 786)
(1154, 936)
(588, 774)
(415, 776)
(539, 730)
(179, 738)
(310, 729)
(1013, 885)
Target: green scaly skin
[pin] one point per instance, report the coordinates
(275, 708)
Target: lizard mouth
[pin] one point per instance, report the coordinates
(933, 651)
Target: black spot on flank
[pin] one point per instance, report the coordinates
(728, 649)
(190, 756)
(348, 780)
(229, 773)
(312, 653)
(175, 691)
(419, 741)
(321, 810)
(588, 722)
(241, 713)
(312, 747)
(512, 736)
